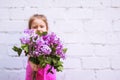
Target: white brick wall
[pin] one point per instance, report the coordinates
(90, 30)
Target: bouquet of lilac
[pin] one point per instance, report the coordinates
(43, 48)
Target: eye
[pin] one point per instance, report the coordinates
(34, 27)
(41, 26)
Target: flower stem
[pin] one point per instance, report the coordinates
(34, 75)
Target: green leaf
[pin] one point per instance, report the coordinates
(64, 50)
(60, 68)
(34, 60)
(40, 57)
(42, 61)
(43, 65)
(50, 70)
(57, 57)
(41, 34)
(25, 47)
(54, 61)
(59, 63)
(44, 33)
(18, 50)
(53, 50)
(38, 32)
(48, 60)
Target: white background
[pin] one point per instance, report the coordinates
(90, 29)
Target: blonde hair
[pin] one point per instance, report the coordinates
(37, 16)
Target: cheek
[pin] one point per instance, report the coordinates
(45, 29)
(35, 30)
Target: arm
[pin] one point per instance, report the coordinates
(32, 65)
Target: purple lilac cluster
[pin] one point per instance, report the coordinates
(48, 44)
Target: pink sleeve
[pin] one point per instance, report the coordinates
(28, 72)
(41, 73)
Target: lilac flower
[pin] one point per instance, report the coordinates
(54, 39)
(46, 39)
(36, 53)
(43, 44)
(25, 40)
(29, 31)
(35, 37)
(59, 51)
(46, 49)
(62, 56)
(39, 42)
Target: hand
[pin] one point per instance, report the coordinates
(33, 66)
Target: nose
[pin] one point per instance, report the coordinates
(39, 29)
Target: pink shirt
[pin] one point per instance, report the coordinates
(41, 73)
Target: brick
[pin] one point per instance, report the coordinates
(97, 37)
(22, 13)
(96, 3)
(9, 26)
(39, 3)
(83, 3)
(26, 3)
(107, 50)
(15, 3)
(33, 11)
(115, 64)
(10, 50)
(3, 50)
(60, 75)
(115, 3)
(84, 37)
(20, 75)
(79, 13)
(55, 13)
(102, 13)
(75, 63)
(4, 75)
(68, 26)
(95, 63)
(67, 3)
(75, 37)
(108, 74)
(12, 75)
(97, 25)
(66, 37)
(118, 35)
(11, 38)
(80, 50)
(79, 75)
(17, 14)
(105, 3)
(4, 14)
(104, 37)
(112, 38)
(4, 3)
(115, 25)
(11, 63)
(25, 60)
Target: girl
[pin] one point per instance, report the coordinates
(39, 23)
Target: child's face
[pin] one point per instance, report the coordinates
(39, 25)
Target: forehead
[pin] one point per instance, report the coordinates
(38, 21)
